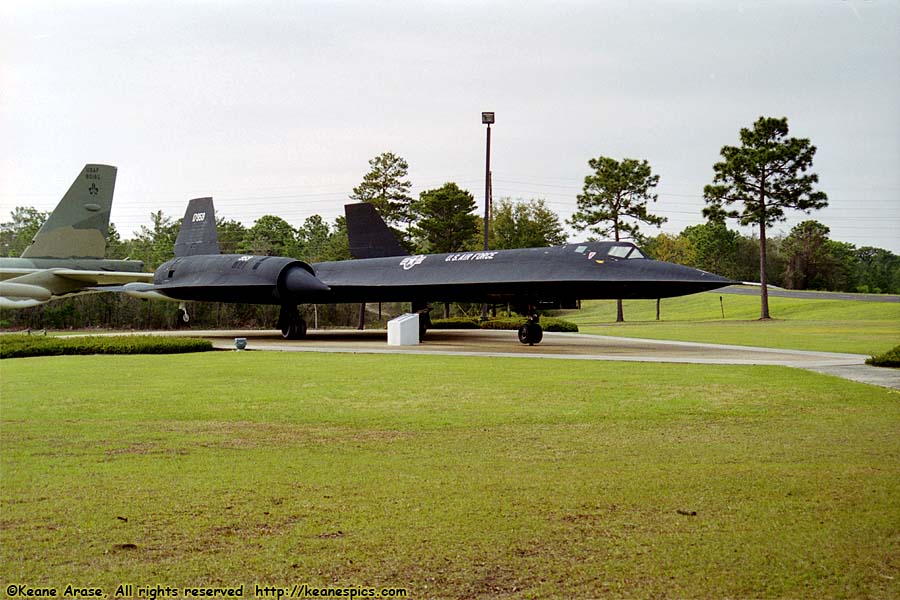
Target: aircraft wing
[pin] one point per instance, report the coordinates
(102, 277)
(51, 278)
(21, 288)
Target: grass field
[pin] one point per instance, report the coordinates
(452, 477)
(800, 324)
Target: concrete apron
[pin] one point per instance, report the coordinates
(568, 346)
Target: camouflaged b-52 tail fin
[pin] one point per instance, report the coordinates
(368, 234)
(198, 233)
(78, 226)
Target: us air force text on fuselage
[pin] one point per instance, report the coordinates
(409, 262)
(464, 256)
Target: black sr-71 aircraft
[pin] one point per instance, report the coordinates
(528, 279)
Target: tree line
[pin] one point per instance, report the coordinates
(754, 184)
(804, 259)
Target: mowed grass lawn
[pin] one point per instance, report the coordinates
(851, 326)
(452, 477)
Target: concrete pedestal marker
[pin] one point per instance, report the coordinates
(404, 330)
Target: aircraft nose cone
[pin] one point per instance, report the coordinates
(717, 278)
(298, 281)
(675, 272)
(680, 280)
(711, 277)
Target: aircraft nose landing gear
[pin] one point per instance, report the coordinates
(531, 333)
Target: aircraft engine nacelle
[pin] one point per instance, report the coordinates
(297, 280)
(238, 278)
(24, 291)
(13, 303)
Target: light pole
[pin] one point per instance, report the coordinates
(487, 118)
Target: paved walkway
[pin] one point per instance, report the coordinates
(566, 346)
(783, 293)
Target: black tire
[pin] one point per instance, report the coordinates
(523, 333)
(531, 334)
(294, 329)
(424, 324)
(423, 328)
(291, 324)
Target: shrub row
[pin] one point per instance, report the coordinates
(20, 346)
(455, 323)
(548, 323)
(891, 358)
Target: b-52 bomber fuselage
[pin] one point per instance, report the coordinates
(527, 279)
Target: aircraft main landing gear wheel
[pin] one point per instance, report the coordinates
(531, 333)
(293, 327)
(294, 331)
(423, 309)
(424, 324)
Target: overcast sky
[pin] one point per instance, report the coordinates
(277, 107)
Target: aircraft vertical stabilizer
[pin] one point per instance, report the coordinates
(78, 226)
(198, 229)
(369, 235)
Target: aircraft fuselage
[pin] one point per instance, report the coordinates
(533, 275)
(562, 274)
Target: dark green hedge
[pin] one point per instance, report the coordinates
(455, 323)
(891, 358)
(513, 323)
(20, 346)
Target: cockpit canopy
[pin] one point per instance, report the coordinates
(610, 250)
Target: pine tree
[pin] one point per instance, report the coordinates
(765, 176)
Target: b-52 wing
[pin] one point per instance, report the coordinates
(23, 288)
